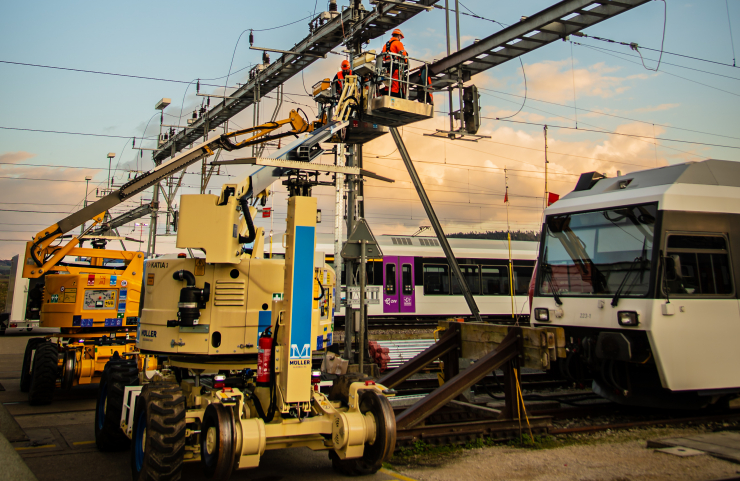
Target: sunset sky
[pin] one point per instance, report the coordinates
(593, 85)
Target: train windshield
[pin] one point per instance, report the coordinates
(599, 253)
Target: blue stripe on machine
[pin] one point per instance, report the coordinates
(264, 321)
(301, 308)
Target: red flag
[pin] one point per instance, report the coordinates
(506, 196)
(552, 198)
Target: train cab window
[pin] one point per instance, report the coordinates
(408, 286)
(390, 279)
(699, 265)
(436, 279)
(471, 277)
(493, 279)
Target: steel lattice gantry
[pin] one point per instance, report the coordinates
(355, 25)
(551, 24)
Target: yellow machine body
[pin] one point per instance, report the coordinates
(94, 297)
(245, 291)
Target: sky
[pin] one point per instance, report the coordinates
(686, 111)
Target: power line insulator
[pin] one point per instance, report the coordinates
(251, 38)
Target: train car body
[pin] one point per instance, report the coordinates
(416, 282)
(23, 302)
(642, 272)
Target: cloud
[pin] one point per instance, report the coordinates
(15, 157)
(657, 108)
(554, 81)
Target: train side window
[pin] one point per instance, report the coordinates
(408, 286)
(390, 279)
(471, 277)
(493, 280)
(522, 276)
(702, 265)
(436, 279)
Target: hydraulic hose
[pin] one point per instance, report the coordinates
(250, 224)
(186, 276)
(322, 290)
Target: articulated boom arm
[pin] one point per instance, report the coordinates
(41, 255)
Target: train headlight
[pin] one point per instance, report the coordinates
(628, 318)
(541, 314)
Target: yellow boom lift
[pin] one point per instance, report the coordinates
(92, 294)
(239, 332)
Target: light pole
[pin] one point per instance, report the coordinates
(84, 203)
(111, 156)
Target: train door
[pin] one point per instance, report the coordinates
(390, 284)
(398, 284)
(406, 298)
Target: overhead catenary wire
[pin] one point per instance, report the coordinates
(630, 44)
(664, 62)
(617, 133)
(617, 55)
(729, 23)
(88, 134)
(524, 74)
(597, 112)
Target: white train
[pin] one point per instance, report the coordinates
(642, 271)
(416, 283)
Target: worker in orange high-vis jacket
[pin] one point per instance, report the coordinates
(341, 75)
(399, 64)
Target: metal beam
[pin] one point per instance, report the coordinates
(352, 26)
(123, 219)
(449, 341)
(451, 260)
(530, 34)
(437, 399)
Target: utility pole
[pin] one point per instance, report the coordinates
(447, 31)
(338, 234)
(547, 200)
(87, 183)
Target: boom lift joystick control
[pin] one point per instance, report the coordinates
(192, 300)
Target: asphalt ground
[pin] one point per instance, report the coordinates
(61, 439)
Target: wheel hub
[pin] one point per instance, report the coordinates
(211, 440)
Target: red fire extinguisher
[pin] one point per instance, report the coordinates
(264, 355)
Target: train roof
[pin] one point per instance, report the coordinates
(708, 186)
(428, 246)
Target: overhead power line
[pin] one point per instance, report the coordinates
(630, 44)
(616, 133)
(666, 63)
(613, 115)
(606, 50)
(78, 133)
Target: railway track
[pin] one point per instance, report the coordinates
(550, 415)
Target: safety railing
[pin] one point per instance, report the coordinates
(393, 77)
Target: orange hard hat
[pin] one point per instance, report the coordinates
(398, 32)
(345, 65)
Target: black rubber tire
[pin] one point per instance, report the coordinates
(117, 374)
(44, 375)
(31, 346)
(385, 439)
(159, 421)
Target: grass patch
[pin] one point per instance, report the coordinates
(422, 454)
(3, 293)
